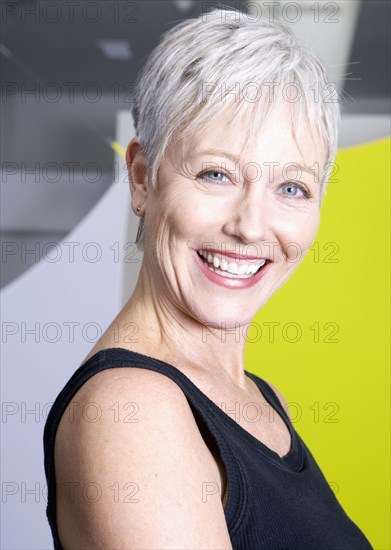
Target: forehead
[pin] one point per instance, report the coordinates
(274, 141)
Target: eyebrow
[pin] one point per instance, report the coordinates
(235, 158)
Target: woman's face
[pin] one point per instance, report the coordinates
(250, 206)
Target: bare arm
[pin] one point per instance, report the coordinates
(141, 484)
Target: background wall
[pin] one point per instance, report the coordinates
(323, 339)
(67, 77)
(51, 317)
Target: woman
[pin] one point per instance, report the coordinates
(227, 171)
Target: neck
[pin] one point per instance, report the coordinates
(167, 332)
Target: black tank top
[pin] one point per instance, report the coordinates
(274, 503)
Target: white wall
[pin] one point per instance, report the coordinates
(47, 298)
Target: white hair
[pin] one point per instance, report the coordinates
(189, 77)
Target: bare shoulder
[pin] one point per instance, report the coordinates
(130, 449)
(281, 398)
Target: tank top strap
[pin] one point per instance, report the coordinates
(270, 395)
(296, 457)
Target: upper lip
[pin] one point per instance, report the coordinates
(234, 255)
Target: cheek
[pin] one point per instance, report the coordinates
(191, 214)
(298, 235)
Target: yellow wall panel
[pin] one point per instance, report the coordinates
(329, 354)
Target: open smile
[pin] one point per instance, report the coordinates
(229, 273)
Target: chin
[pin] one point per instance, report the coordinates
(231, 320)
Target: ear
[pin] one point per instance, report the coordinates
(137, 174)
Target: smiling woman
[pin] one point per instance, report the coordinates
(140, 451)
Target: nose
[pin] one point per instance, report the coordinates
(250, 218)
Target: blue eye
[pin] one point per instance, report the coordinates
(296, 190)
(295, 187)
(215, 173)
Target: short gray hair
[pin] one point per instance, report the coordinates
(175, 92)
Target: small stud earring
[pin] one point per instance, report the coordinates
(138, 208)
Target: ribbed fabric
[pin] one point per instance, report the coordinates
(273, 503)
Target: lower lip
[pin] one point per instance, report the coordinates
(228, 282)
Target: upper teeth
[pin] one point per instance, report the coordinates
(236, 268)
